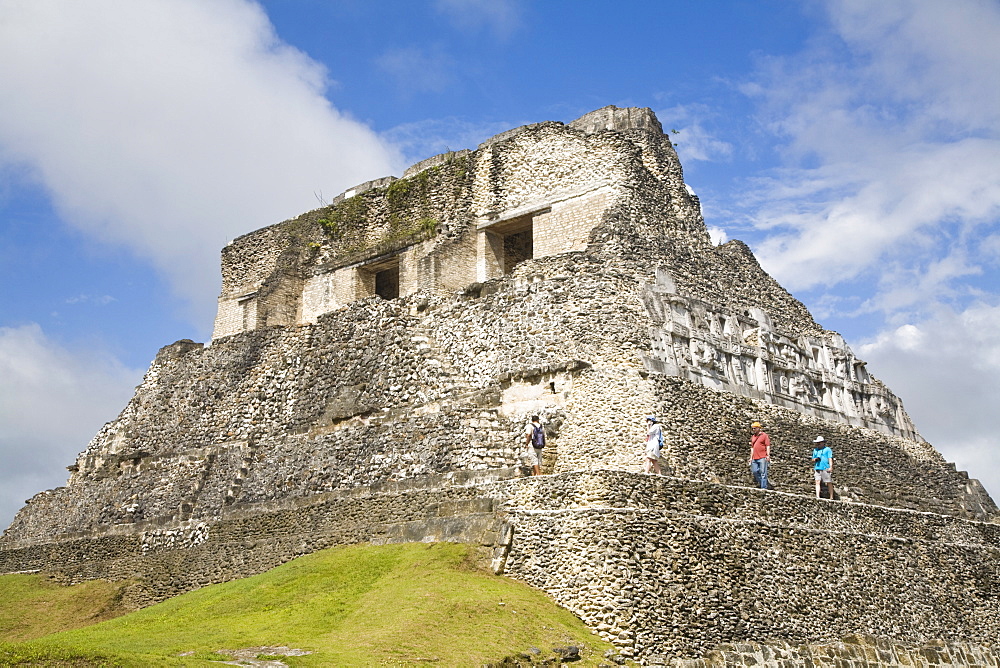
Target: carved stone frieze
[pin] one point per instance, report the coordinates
(812, 372)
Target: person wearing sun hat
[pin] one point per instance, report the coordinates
(822, 457)
(760, 454)
(654, 443)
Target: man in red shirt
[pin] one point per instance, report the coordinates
(760, 454)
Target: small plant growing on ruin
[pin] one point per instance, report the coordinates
(397, 194)
(330, 227)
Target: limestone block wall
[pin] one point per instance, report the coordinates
(451, 266)
(326, 291)
(386, 390)
(671, 571)
(707, 434)
(854, 651)
(231, 318)
(164, 560)
(673, 568)
(289, 261)
(567, 225)
(247, 262)
(564, 178)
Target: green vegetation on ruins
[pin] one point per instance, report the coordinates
(402, 211)
(345, 216)
(407, 202)
(361, 605)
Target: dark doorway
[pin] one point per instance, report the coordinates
(510, 242)
(517, 247)
(387, 283)
(380, 278)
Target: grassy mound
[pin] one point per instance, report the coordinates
(32, 606)
(415, 604)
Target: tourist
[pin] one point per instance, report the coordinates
(760, 454)
(654, 443)
(822, 465)
(534, 438)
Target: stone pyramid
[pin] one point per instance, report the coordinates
(373, 366)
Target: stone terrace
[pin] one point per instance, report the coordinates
(662, 567)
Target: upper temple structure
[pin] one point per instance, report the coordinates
(459, 220)
(373, 365)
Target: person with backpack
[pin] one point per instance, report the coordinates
(654, 443)
(534, 436)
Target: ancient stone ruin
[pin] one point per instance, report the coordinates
(373, 365)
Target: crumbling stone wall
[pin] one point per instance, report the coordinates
(164, 560)
(670, 570)
(387, 390)
(854, 651)
(274, 413)
(557, 179)
(664, 567)
(707, 438)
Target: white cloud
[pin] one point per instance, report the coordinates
(171, 126)
(52, 402)
(852, 216)
(946, 369)
(503, 17)
(889, 133)
(915, 45)
(685, 126)
(892, 130)
(717, 235)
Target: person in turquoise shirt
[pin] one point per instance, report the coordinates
(822, 464)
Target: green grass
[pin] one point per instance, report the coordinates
(32, 606)
(414, 604)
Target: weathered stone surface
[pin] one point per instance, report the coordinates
(373, 366)
(680, 566)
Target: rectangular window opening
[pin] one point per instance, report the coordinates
(511, 242)
(380, 279)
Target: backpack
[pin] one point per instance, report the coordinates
(659, 437)
(538, 436)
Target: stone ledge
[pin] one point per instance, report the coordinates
(617, 490)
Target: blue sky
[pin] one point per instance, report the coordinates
(854, 145)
